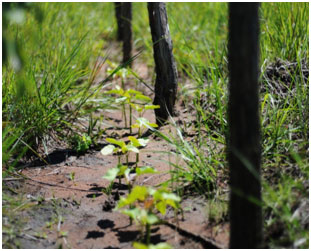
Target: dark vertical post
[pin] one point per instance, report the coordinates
(119, 20)
(244, 148)
(166, 72)
(126, 16)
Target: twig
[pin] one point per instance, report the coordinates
(28, 236)
(59, 223)
(12, 179)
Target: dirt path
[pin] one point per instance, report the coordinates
(87, 218)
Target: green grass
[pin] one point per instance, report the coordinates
(57, 84)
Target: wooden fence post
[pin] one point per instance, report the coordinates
(126, 24)
(166, 72)
(119, 20)
(244, 149)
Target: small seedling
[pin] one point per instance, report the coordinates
(119, 147)
(63, 233)
(147, 202)
(41, 235)
(143, 123)
(49, 224)
(135, 100)
(138, 143)
(81, 143)
(72, 176)
(118, 171)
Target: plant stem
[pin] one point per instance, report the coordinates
(122, 83)
(137, 159)
(119, 162)
(127, 159)
(148, 231)
(124, 114)
(119, 159)
(130, 119)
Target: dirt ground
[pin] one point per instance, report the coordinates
(84, 214)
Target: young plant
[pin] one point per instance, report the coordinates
(143, 123)
(148, 201)
(135, 100)
(138, 143)
(119, 147)
(118, 171)
(81, 143)
(122, 99)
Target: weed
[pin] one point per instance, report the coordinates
(81, 143)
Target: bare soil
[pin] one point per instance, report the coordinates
(87, 212)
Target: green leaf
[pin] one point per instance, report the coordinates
(142, 97)
(138, 142)
(172, 203)
(118, 92)
(63, 233)
(111, 174)
(145, 122)
(122, 203)
(143, 142)
(171, 196)
(138, 108)
(133, 213)
(138, 245)
(154, 125)
(132, 149)
(161, 206)
(145, 170)
(138, 192)
(134, 92)
(151, 219)
(120, 100)
(115, 142)
(122, 169)
(127, 95)
(156, 195)
(134, 141)
(124, 148)
(151, 107)
(135, 126)
(126, 175)
(107, 150)
(142, 121)
(161, 245)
